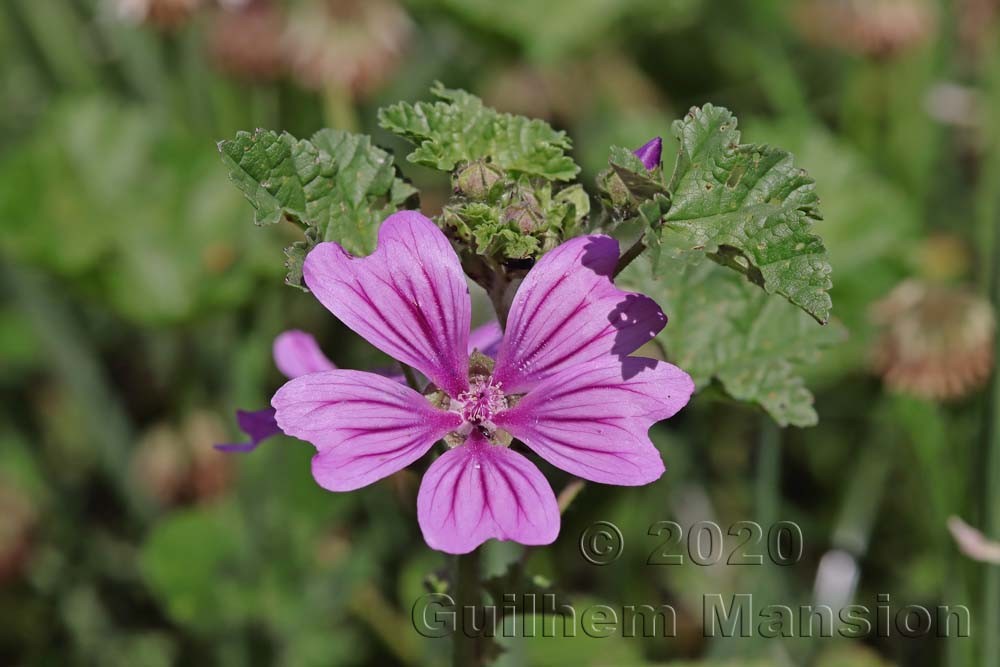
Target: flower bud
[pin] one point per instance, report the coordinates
(475, 179)
(525, 213)
(649, 153)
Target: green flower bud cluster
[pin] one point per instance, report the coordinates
(510, 220)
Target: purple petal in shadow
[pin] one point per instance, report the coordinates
(259, 425)
(486, 338)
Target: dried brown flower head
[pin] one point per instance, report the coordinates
(245, 41)
(977, 20)
(179, 465)
(873, 28)
(936, 341)
(346, 44)
(163, 14)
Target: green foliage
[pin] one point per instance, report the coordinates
(870, 229)
(126, 207)
(556, 29)
(459, 129)
(730, 331)
(746, 206)
(337, 186)
(191, 561)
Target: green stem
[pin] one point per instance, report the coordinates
(569, 494)
(369, 605)
(467, 650)
(768, 487)
(411, 377)
(637, 248)
(338, 109)
(498, 294)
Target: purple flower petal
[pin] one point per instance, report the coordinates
(486, 338)
(593, 420)
(297, 353)
(479, 491)
(649, 153)
(567, 312)
(365, 426)
(409, 298)
(259, 425)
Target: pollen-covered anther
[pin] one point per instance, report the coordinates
(478, 405)
(481, 401)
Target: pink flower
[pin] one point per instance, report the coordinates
(562, 383)
(297, 353)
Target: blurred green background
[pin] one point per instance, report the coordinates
(139, 303)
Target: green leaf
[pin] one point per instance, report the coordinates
(263, 167)
(337, 186)
(459, 129)
(722, 328)
(870, 258)
(749, 208)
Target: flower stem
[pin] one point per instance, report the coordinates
(338, 108)
(569, 494)
(411, 377)
(371, 607)
(466, 644)
(768, 486)
(498, 297)
(637, 248)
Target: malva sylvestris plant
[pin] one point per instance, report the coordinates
(562, 383)
(723, 245)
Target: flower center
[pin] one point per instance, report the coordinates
(483, 399)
